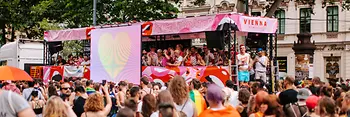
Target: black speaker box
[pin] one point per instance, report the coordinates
(55, 47)
(215, 39)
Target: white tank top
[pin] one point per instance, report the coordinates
(187, 108)
(243, 59)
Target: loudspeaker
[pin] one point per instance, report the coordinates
(55, 47)
(215, 39)
(225, 27)
(257, 40)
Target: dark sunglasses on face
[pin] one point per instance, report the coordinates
(67, 88)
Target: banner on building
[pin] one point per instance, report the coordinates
(73, 71)
(66, 72)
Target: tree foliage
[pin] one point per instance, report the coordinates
(33, 17)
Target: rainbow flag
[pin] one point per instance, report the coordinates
(198, 100)
(90, 90)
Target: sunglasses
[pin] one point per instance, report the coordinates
(67, 88)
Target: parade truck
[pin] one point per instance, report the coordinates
(23, 54)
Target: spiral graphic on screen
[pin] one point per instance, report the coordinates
(114, 52)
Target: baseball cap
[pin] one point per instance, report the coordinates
(303, 94)
(311, 101)
(259, 50)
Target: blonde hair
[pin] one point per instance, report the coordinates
(94, 103)
(55, 107)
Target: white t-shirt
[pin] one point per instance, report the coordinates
(85, 63)
(155, 114)
(179, 60)
(243, 59)
(11, 107)
(258, 65)
(208, 57)
(139, 107)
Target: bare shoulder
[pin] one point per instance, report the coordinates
(93, 114)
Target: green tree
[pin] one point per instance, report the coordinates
(35, 16)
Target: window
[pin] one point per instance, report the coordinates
(332, 19)
(282, 64)
(305, 20)
(256, 14)
(280, 15)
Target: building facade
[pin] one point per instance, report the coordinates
(328, 23)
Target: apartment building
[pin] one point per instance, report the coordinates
(328, 23)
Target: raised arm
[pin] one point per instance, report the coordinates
(107, 109)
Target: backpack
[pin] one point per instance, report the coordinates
(181, 113)
(294, 110)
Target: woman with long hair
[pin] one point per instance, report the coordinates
(180, 93)
(94, 106)
(56, 107)
(148, 105)
(257, 107)
(326, 107)
(274, 109)
(37, 104)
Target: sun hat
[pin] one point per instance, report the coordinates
(303, 93)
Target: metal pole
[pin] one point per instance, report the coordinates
(246, 6)
(94, 12)
(45, 54)
(234, 56)
(275, 63)
(271, 63)
(229, 47)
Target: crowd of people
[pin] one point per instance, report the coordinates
(180, 56)
(81, 60)
(175, 98)
(249, 67)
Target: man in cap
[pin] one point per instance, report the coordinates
(261, 62)
(311, 103)
(288, 98)
(303, 94)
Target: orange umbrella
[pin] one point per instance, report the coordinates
(12, 73)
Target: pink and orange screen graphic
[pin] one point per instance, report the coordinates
(115, 54)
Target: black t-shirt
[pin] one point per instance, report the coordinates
(63, 62)
(288, 96)
(244, 113)
(78, 107)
